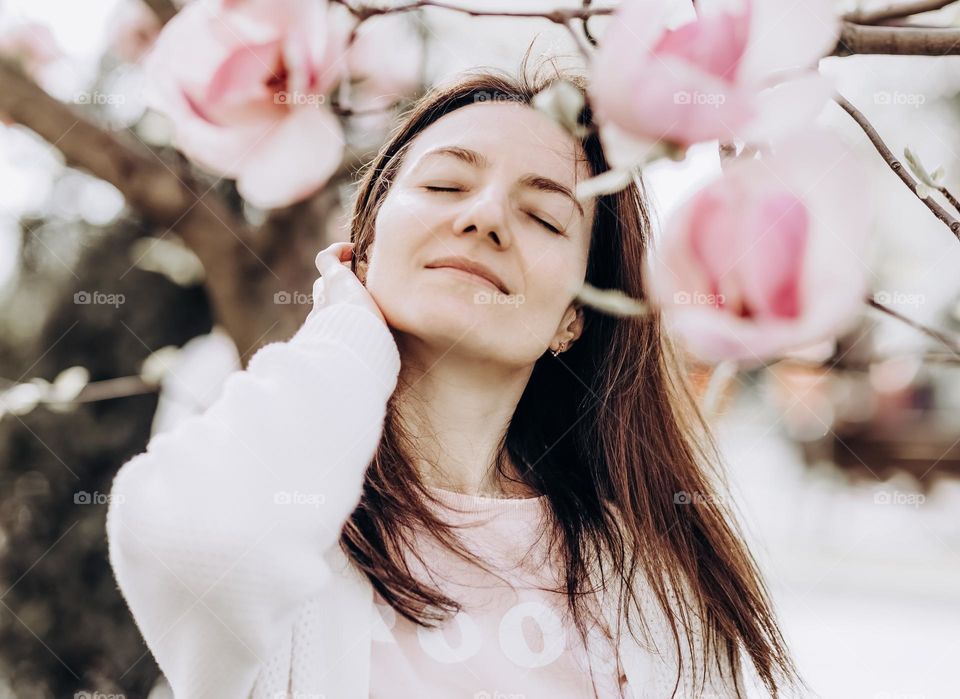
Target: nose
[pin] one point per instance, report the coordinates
(486, 213)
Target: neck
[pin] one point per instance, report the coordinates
(457, 410)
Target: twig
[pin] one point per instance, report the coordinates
(905, 9)
(108, 389)
(559, 16)
(895, 165)
(949, 197)
(941, 358)
(586, 26)
(120, 387)
(899, 41)
(951, 343)
(582, 45)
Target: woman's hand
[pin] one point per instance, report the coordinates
(338, 284)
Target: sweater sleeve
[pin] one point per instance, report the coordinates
(217, 532)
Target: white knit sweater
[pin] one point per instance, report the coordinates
(223, 535)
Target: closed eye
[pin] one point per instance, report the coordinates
(546, 225)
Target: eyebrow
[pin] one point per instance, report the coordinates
(531, 180)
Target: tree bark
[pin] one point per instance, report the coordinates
(901, 41)
(163, 9)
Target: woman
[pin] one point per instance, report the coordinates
(454, 480)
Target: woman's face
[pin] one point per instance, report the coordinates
(490, 183)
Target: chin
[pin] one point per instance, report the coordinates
(446, 317)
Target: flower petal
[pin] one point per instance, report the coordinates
(244, 74)
(775, 241)
(788, 35)
(295, 160)
(714, 44)
(790, 106)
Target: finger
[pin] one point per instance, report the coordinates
(329, 255)
(336, 277)
(332, 255)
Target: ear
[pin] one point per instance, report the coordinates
(571, 326)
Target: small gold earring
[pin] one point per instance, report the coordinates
(556, 352)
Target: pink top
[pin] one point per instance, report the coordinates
(510, 639)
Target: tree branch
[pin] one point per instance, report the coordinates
(905, 9)
(901, 41)
(163, 9)
(895, 165)
(856, 37)
(164, 194)
(559, 16)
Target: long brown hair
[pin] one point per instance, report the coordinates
(609, 431)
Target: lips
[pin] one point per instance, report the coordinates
(467, 265)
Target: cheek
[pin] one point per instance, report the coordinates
(409, 212)
(393, 240)
(403, 224)
(401, 237)
(552, 280)
(553, 274)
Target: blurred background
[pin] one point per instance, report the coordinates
(844, 462)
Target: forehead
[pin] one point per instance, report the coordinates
(511, 135)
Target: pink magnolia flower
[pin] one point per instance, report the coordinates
(245, 83)
(132, 30)
(768, 257)
(709, 78)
